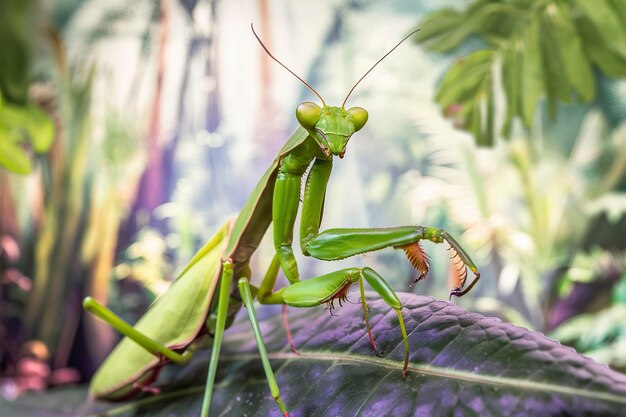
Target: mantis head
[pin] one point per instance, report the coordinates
(331, 127)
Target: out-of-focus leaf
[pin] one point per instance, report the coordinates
(545, 48)
(57, 402)
(60, 237)
(499, 25)
(464, 78)
(437, 23)
(612, 354)
(532, 72)
(619, 292)
(466, 92)
(619, 7)
(448, 28)
(488, 137)
(40, 128)
(511, 77)
(462, 25)
(19, 123)
(613, 205)
(589, 331)
(12, 156)
(15, 38)
(461, 364)
(575, 64)
(16, 117)
(609, 60)
(33, 121)
(555, 81)
(605, 21)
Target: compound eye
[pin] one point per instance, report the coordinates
(359, 117)
(308, 114)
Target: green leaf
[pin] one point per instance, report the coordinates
(605, 21)
(466, 24)
(12, 156)
(40, 128)
(592, 331)
(619, 291)
(532, 72)
(575, 63)
(29, 120)
(481, 114)
(488, 136)
(556, 82)
(16, 34)
(459, 361)
(468, 85)
(464, 78)
(619, 7)
(436, 24)
(611, 61)
(511, 79)
(547, 48)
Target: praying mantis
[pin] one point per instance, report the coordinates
(203, 300)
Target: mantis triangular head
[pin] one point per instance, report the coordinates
(331, 127)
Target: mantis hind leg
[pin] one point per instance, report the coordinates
(149, 344)
(381, 286)
(265, 295)
(325, 289)
(246, 295)
(222, 311)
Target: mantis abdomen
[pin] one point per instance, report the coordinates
(182, 305)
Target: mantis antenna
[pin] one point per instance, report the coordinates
(284, 66)
(377, 62)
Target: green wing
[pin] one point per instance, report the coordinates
(256, 215)
(174, 319)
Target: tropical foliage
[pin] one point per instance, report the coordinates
(530, 50)
(533, 205)
(138, 128)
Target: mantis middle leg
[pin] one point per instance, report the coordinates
(222, 311)
(248, 301)
(325, 289)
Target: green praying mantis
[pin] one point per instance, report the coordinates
(203, 300)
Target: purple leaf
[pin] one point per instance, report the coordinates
(462, 364)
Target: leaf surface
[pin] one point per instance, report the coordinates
(461, 364)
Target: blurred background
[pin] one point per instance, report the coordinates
(131, 130)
